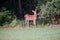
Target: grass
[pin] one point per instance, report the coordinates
(30, 34)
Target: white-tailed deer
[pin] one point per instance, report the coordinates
(29, 17)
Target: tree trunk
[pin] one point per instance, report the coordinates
(20, 7)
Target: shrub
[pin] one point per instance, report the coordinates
(5, 16)
(13, 23)
(50, 10)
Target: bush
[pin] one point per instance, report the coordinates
(50, 10)
(16, 22)
(13, 23)
(5, 16)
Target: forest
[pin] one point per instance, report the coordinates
(29, 19)
(12, 11)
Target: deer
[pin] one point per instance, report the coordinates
(29, 17)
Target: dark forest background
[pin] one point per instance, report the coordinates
(13, 10)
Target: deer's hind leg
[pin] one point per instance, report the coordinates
(27, 23)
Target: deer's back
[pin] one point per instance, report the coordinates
(30, 17)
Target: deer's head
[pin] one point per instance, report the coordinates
(34, 11)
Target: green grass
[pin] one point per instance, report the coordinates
(30, 34)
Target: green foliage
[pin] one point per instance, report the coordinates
(5, 16)
(50, 10)
(16, 22)
(40, 2)
(13, 23)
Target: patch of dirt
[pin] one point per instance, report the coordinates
(6, 27)
(53, 26)
(18, 27)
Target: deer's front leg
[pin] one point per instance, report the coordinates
(34, 23)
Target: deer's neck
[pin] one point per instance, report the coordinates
(35, 13)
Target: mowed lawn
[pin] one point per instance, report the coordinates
(30, 34)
